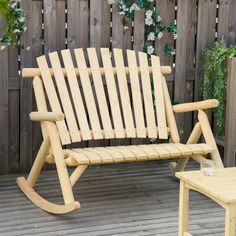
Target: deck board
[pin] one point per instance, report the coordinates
(124, 199)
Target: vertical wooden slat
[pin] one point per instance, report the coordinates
(117, 28)
(99, 24)
(230, 121)
(185, 58)
(138, 32)
(37, 50)
(50, 26)
(26, 104)
(77, 23)
(227, 21)
(124, 93)
(166, 9)
(76, 95)
(60, 25)
(147, 94)
(88, 94)
(4, 134)
(14, 112)
(136, 94)
(53, 99)
(159, 97)
(98, 84)
(206, 27)
(64, 97)
(112, 93)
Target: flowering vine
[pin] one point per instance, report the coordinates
(11, 10)
(154, 28)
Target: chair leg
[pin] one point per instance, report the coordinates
(182, 162)
(38, 163)
(60, 163)
(209, 137)
(183, 209)
(230, 221)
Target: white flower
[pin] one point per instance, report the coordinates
(122, 13)
(175, 36)
(148, 13)
(158, 18)
(160, 34)
(134, 7)
(150, 50)
(22, 19)
(151, 36)
(2, 47)
(148, 21)
(151, 0)
(28, 48)
(16, 31)
(173, 52)
(126, 27)
(110, 2)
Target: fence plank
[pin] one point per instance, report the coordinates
(206, 28)
(230, 121)
(3, 105)
(138, 32)
(185, 58)
(14, 111)
(166, 8)
(78, 15)
(227, 21)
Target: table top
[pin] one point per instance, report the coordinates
(222, 185)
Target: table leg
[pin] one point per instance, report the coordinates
(230, 220)
(183, 208)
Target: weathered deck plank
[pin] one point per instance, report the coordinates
(129, 199)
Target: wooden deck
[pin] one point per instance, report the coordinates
(126, 199)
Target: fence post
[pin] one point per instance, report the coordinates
(4, 133)
(230, 121)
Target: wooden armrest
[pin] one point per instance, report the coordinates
(194, 106)
(46, 116)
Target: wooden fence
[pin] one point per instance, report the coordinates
(58, 24)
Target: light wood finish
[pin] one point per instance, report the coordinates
(194, 137)
(89, 98)
(32, 72)
(171, 122)
(100, 155)
(76, 95)
(98, 84)
(208, 135)
(194, 106)
(77, 173)
(44, 204)
(64, 97)
(124, 93)
(79, 110)
(112, 93)
(46, 116)
(53, 99)
(183, 208)
(136, 94)
(159, 97)
(220, 188)
(147, 94)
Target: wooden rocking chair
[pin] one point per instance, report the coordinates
(79, 110)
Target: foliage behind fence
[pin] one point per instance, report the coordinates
(58, 24)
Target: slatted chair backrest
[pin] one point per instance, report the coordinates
(89, 114)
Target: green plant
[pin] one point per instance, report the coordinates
(10, 9)
(214, 78)
(154, 28)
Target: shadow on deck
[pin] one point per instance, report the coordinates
(126, 199)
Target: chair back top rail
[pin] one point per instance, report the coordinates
(32, 72)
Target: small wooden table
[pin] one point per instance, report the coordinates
(221, 188)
